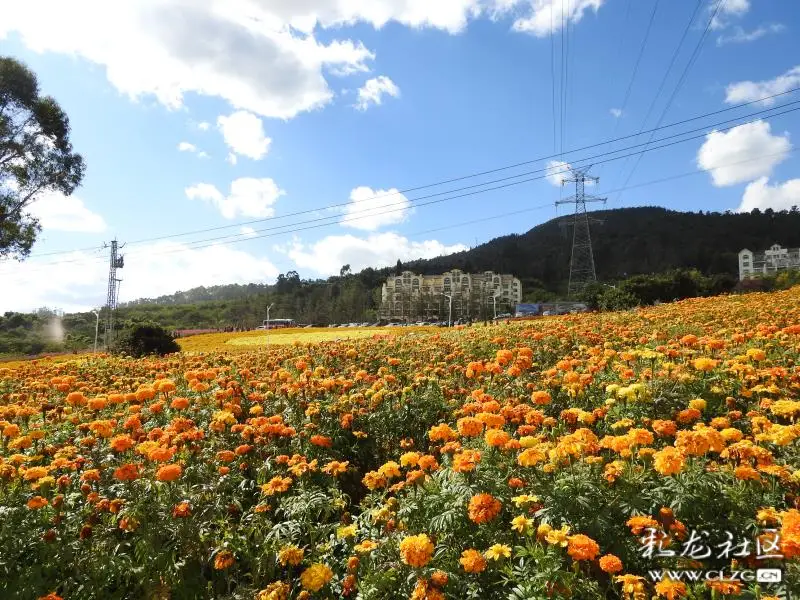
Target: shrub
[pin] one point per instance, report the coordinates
(143, 339)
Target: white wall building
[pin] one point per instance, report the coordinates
(775, 259)
(409, 295)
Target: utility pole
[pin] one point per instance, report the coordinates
(449, 309)
(581, 265)
(267, 329)
(116, 261)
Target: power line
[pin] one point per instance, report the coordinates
(669, 68)
(639, 57)
(216, 241)
(678, 86)
(443, 182)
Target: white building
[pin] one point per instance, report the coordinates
(409, 295)
(755, 264)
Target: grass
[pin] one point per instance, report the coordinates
(281, 337)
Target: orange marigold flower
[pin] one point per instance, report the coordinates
(541, 398)
(416, 550)
(321, 440)
(181, 510)
(472, 561)
(442, 433)
(671, 590)
(35, 473)
(496, 438)
(276, 485)
(639, 524)
(121, 443)
(582, 547)
(179, 403)
(466, 461)
(483, 508)
(127, 472)
(668, 461)
(224, 560)
(37, 502)
(469, 426)
(169, 472)
(610, 563)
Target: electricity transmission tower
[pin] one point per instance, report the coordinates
(116, 261)
(581, 264)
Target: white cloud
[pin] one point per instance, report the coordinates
(327, 255)
(244, 134)
(258, 55)
(374, 90)
(727, 9)
(248, 231)
(77, 281)
(366, 205)
(231, 159)
(616, 112)
(57, 212)
(750, 151)
(249, 197)
(740, 36)
(202, 154)
(203, 125)
(263, 57)
(546, 16)
(748, 91)
(187, 147)
(760, 194)
(557, 171)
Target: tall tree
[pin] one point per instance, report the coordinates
(35, 155)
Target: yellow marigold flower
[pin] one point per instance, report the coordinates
(346, 532)
(290, 555)
(410, 459)
(365, 547)
(704, 364)
(315, 577)
(498, 551)
(531, 457)
(521, 523)
(277, 590)
(558, 537)
(697, 404)
(416, 550)
(523, 499)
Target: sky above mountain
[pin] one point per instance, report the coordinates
(230, 141)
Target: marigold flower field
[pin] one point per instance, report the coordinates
(524, 461)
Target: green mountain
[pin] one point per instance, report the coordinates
(628, 241)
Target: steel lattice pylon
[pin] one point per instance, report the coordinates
(115, 262)
(581, 264)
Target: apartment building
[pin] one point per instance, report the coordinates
(768, 262)
(410, 296)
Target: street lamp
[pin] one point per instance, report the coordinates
(449, 309)
(96, 329)
(269, 307)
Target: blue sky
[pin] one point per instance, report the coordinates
(283, 107)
